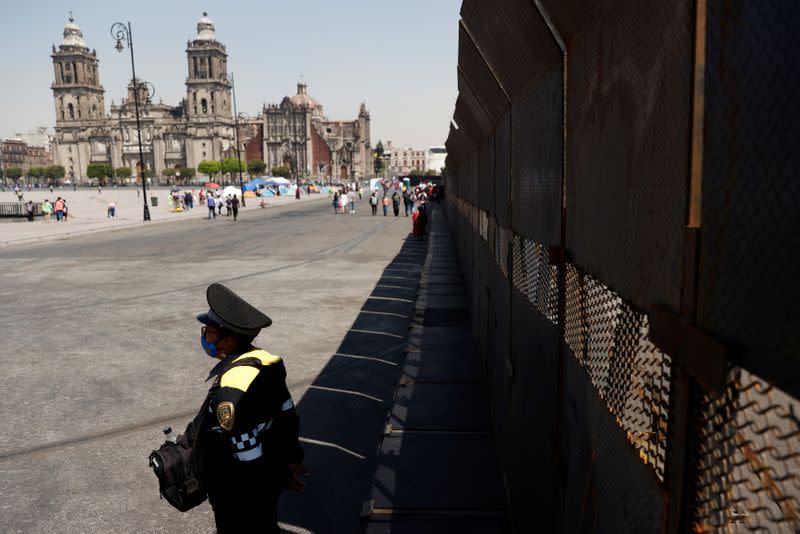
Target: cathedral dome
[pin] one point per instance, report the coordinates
(205, 29)
(302, 98)
(72, 34)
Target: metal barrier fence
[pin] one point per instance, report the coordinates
(19, 209)
(620, 182)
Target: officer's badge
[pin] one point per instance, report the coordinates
(225, 415)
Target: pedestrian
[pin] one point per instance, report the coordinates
(51, 189)
(66, 210)
(218, 201)
(47, 209)
(112, 210)
(212, 212)
(249, 434)
(19, 194)
(297, 193)
(385, 205)
(30, 209)
(407, 201)
(235, 207)
(336, 203)
(59, 209)
(228, 206)
(351, 197)
(373, 201)
(343, 201)
(396, 203)
(99, 191)
(418, 221)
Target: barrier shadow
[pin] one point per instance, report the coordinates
(344, 411)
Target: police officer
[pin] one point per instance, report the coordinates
(249, 450)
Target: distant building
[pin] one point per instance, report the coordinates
(17, 153)
(199, 128)
(297, 134)
(404, 160)
(41, 136)
(434, 159)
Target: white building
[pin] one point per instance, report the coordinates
(434, 159)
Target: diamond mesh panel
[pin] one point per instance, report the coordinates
(534, 277)
(610, 340)
(748, 459)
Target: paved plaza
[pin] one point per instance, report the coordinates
(102, 350)
(88, 211)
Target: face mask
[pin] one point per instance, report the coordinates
(210, 348)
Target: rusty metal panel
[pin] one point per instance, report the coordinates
(470, 100)
(627, 153)
(470, 123)
(485, 199)
(609, 339)
(511, 34)
(537, 149)
(748, 459)
(749, 279)
(479, 76)
(603, 487)
(502, 171)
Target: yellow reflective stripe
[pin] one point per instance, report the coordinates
(239, 377)
(265, 357)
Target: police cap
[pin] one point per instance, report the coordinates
(230, 311)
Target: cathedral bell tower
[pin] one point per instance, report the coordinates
(208, 89)
(78, 95)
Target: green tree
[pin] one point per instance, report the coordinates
(232, 166)
(168, 172)
(416, 172)
(431, 172)
(100, 171)
(256, 166)
(281, 170)
(209, 168)
(2, 174)
(13, 173)
(379, 149)
(187, 173)
(54, 173)
(123, 172)
(36, 172)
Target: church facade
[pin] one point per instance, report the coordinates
(297, 134)
(201, 127)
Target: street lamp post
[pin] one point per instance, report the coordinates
(238, 148)
(120, 31)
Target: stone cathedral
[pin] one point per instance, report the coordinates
(200, 127)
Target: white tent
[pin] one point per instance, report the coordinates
(230, 190)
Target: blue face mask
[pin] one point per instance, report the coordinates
(210, 348)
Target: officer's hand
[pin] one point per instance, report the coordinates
(297, 472)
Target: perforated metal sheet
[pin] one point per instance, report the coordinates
(748, 459)
(610, 340)
(628, 127)
(534, 277)
(749, 283)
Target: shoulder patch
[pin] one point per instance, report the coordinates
(238, 378)
(225, 415)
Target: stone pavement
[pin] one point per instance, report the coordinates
(88, 213)
(437, 469)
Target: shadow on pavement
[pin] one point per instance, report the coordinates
(344, 411)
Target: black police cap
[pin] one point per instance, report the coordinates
(230, 311)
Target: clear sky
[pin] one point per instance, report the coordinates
(398, 56)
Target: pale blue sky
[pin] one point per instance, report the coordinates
(397, 56)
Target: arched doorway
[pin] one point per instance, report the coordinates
(343, 174)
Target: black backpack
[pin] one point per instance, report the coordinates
(176, 467)
(177, 464)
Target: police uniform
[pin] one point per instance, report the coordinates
(249, 434)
